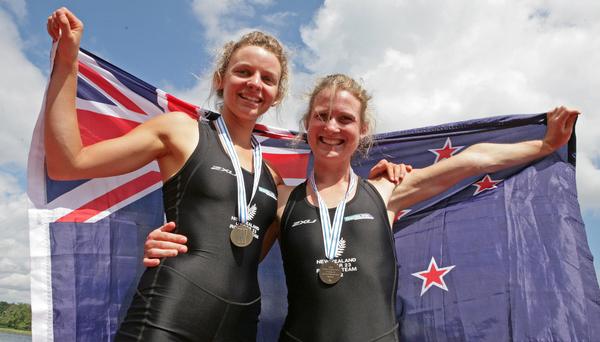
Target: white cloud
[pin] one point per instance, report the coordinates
(462, 59)
(17, 7)
(429, 64)
(222, 19)
(263, 2)
(14, 241)
(278, 18)
(588, 178)
(22, 87)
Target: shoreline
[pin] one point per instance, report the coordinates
(15, 331)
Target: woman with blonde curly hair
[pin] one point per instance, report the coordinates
(213, 177)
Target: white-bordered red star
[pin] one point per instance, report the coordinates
(433, 276)
(487, 183)
(445, 152)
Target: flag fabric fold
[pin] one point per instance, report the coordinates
(497, 257)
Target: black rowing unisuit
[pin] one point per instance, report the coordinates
(210, 293)
(360, 306)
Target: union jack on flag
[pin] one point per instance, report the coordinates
(497, 257)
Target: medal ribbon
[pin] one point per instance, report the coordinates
(242, 205)
(332, 231)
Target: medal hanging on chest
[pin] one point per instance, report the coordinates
(242, 233)
(330, 272)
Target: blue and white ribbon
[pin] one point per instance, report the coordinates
(256, 159)
(332, 231)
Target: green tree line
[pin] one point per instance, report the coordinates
(15, 316)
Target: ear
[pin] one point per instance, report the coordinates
(364, 131)
(217, 81)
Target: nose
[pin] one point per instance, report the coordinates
(331, 124)
(254, 81)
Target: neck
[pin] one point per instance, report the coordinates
(332, 183)
(331, 174)
(239, 131)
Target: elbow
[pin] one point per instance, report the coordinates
(55, 174)
(59, 172)
(478, 161)
(485, 165)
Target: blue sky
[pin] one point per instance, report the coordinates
(425, 63)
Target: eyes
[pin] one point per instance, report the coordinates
(246, 72)
(342, 119)
(322, 116)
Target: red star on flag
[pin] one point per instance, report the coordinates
(445, 152)
(433, 275)
(401, 214)
(487, 183)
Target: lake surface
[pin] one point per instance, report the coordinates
(6, 337)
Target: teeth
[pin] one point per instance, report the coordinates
(331, 141)
(251, 98)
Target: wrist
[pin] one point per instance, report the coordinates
(547, 148)
(70, 66)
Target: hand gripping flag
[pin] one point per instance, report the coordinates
(497, 257)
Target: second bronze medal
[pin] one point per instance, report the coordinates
(330, 272)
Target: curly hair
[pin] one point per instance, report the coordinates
(255, 38)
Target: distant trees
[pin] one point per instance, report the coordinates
(15, 316)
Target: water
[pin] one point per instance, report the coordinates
(6, 337)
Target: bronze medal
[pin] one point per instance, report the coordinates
(330, 273)
(241, 235)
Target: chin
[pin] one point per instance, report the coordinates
(334, 155)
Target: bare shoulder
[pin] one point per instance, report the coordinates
(173, 122)
(177, 129)
(276, 176)
(384, 187)
(283, 193)
(179, 133)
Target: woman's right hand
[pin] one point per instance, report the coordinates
(161, 243)
(63, 26)
(393, 172)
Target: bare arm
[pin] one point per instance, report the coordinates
(425, 183)
(385, 170)
(283, 193)
(275, 174)
(66, 157)
(271, 235)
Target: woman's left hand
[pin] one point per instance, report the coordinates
(560, 127)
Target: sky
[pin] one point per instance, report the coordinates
(424, 62)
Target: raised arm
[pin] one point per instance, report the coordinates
(482, 158)
(66, 157)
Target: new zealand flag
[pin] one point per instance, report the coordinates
(498, 257)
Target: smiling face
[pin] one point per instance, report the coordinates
(251, 82)
(334, 126)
